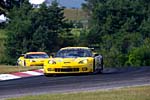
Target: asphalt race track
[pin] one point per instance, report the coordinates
(110, 79)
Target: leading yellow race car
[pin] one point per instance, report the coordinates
(32, 59)
(74, 60)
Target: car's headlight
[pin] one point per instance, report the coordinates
(51, 62)
(83, 61)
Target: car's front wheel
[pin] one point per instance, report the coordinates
(24, 63)
(49, 75)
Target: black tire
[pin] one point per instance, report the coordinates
(17, 64)
(46, 75)
(99, 71)
(24, 63)
(49, 75)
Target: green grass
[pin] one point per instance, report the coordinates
(136, 93)
(5, 69)
(2, 34)
(75, 14)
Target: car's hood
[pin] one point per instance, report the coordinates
(70, 60)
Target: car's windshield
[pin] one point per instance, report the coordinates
(71, 53)
(32, 56)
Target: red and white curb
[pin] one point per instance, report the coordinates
(18, 75)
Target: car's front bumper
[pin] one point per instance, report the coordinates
(68, 69)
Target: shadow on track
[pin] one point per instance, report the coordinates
(108, 71)
(125, 70)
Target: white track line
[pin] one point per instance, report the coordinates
(33, 73)
(41, 69)
(8, 77)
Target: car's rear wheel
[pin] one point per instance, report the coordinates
(100, 69)
(97, 71)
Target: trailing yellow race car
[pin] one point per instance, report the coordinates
(32, 59)
(74, 60)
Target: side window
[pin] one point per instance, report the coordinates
(27, 56)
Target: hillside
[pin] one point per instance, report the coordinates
(75, 14)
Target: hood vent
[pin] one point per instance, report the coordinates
(67, 62)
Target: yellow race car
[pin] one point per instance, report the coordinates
(74, 60)
(32, 59)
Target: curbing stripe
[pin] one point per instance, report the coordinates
(21, 75)
(33, 73)
(39, 71)
(8, 77)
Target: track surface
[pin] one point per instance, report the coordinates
(110, 79)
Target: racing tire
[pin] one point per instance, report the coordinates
(99, 71)
(49, 75)
(46, 75)
(24, 63)
(17, 64)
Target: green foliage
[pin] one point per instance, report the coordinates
(2, 40)
(140, 56)
(79, 36)
(6, 5)
(18, 34)
(119, 28)
(35, 29)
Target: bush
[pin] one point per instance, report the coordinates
(140, 56)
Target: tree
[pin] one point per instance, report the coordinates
(6, 5)
(19, 35)
(122, 24)
(51, 24)
(35, 29)
(140, 56)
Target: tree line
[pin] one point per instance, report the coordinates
(119, 29)
(34, 29)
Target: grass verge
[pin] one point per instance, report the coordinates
(136, 93)
(4, 69)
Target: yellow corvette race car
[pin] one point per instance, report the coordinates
(74, 60)
(32, 59)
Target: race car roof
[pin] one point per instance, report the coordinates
(35, 53)
(74, 48)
